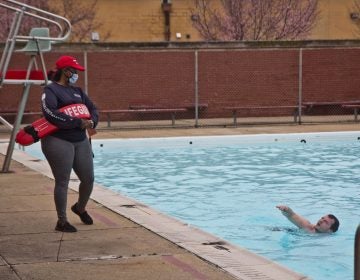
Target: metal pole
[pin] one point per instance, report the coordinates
(42, 63)
(357, 255)
(17, 124)
(300, 83)
(86, 73)
(6, 123)
(196, 90)
(8, 42)
(12, 44)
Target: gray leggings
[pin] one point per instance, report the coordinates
(63, 156)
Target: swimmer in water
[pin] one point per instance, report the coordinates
(327, 224)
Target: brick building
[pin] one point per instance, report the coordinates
(144, 20)
(182, 73)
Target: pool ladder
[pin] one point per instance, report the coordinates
(357, 254)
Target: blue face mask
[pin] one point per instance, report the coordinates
(73, 79)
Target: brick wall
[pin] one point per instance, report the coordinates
(243, 76)
(248, 77)
(120, 79)
(331, 74)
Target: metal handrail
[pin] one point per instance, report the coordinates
(10, 44)
(33, 15)
(13, 37)
(62, 36)
(357, 254)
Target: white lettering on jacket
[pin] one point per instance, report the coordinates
(77, 110)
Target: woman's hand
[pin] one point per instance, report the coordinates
(86, 124)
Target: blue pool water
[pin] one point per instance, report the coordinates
(229, 186)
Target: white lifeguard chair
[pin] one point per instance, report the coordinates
(37, 42)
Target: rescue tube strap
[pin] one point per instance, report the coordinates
(29, 129)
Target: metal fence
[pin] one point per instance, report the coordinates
(223, 85)
(237, 87)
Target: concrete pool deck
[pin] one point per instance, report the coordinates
(128, 240)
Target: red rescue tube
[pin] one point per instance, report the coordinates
(41, 127)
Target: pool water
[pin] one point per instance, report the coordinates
(229, 186)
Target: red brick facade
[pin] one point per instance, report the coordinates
(162, 76)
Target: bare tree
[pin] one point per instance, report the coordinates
(241, 20)
(81, 16)
(355, 15)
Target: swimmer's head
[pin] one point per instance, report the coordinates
(327, 224)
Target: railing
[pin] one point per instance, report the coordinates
(357, 255)
(64, 30)
(20, 9)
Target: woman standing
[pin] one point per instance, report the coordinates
(69, 147)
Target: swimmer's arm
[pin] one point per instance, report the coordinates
(296, 219)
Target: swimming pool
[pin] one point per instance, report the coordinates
(230, 185)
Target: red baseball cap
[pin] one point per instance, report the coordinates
(68, 61)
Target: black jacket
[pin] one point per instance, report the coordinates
(56, 96)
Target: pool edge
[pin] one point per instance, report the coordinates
(237, 261)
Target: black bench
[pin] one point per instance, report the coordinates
(311, 105)
(355, 108)
(172, 112)
(236, 109)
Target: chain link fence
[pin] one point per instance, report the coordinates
(213, 86)
(232, 88)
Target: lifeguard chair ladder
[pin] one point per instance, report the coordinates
(37, 42)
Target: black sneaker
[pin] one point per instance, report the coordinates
(65, 227)
(84, 217)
